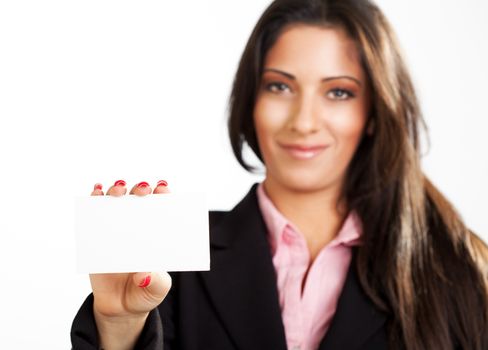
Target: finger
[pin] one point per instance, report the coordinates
(157, 285)
(162, 187)
(118, 189)
(97, 190)
(141, 189)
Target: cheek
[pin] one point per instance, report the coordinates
(348, 127)
(269, 117)
(260, 127)
(272, 109)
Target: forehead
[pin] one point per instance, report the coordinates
(324, 50)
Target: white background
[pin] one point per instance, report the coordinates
(93, 91)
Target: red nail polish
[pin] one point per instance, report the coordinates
(119, 183)
(97, 187)
(145, 282)
(143, 184)
(162, 183)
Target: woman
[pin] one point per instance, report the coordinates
(346, 244)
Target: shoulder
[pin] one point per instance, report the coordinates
(245, 211)
(216, 216)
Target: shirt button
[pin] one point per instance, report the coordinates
(288, 238)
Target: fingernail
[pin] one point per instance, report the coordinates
(97, 187)
(145, 282)
(143, 184)
(162, 183)
(119, 183)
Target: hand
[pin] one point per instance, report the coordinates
(122, 301)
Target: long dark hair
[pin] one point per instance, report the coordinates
(419, 262)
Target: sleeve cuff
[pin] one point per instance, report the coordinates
(84, 334)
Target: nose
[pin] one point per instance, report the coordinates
(304, 118)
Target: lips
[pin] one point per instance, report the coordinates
(300, 151)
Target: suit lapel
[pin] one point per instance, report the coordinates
(356, 318)
(242, 281)
(242, 287)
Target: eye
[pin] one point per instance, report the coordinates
(339, 94)
(277, 87)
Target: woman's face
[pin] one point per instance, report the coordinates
(311, 108)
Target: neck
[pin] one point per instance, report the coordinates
(315, 213)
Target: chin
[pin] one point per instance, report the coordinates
(307, 182)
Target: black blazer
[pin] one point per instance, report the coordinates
(235, 304)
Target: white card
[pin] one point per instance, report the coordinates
(162, 232)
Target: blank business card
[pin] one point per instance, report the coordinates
(162, 232)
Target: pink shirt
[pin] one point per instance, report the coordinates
(307, 316)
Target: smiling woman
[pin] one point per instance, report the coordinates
(310, 115)
(311, 109)
(346, 244)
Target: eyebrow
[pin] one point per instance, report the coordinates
(292, 77)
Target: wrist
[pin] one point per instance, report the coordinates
(119, 332)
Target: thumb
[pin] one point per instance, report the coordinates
(155, 284)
